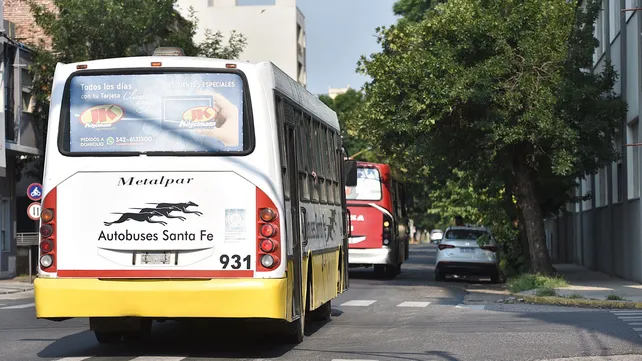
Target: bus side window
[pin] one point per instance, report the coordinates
(304, 156)
(338, 161)
(280, 120)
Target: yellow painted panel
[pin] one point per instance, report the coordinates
(234, 298)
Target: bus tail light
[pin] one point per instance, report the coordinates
(386, 236)
(268, 237)
(444, 246)
(48, 233)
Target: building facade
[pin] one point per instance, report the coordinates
(334, 92)
(18, 132)
(605, 232)
(275, 29)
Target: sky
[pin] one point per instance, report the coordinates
(338, 33)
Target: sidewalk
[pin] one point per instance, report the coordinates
(16, 285)
(596, 285)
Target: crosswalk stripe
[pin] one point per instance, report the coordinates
(361, 303)
(413, 304)
(76, 358)
(159, 358)
(627, 311)
(635, 323)
(18, 306)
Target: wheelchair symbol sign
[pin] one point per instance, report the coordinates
(34, 191)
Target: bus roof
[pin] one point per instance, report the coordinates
(277, 79)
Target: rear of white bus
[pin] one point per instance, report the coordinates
(162, 193)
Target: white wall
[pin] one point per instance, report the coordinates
(270, 30)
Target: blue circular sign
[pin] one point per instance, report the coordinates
(34, 191)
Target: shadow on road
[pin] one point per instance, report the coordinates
(196, 338)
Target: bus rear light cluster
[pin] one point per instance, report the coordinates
(386, 231)
(267, 233)
(48, 233)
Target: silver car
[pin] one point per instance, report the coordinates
(467, 251)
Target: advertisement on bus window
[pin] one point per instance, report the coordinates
(166, 112)
(368, 186)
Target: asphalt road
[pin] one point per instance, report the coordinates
(409, 318)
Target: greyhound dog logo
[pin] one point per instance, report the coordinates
(161, 210)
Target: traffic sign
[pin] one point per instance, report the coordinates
(34, 191)
(33, 211)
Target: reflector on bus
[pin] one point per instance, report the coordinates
(168, 51)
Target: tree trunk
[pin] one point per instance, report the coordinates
(531, 213)
(518, 221)
(523, 239)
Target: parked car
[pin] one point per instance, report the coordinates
(466, 250)
(436, 235)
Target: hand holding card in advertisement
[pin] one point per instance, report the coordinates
(227, 122)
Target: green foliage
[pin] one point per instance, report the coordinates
(614, 297)
(497, 90)
(530, 281)
(412, 10)
(347, 106)
(545, 292)
(83, 30)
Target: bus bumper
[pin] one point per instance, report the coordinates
(367, 256)
(220, 298)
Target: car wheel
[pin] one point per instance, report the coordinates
(439, 275)
(494, 277)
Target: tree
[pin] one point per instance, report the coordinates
(346, 106)
(82, 30)
(496, 89)
(413, 10)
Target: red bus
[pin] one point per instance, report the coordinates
(379, 220)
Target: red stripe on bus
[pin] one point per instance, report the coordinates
(155, 273)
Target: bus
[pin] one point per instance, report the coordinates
(380, 234)
(185, 187)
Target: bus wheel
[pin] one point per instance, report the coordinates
(392, 271)
(141, 334)
(295, 331)
(323, 313)
(108, 336)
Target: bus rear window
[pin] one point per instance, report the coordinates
(368, 186)
(155, 113)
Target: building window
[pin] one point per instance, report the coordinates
(629, 5)
(635, 159)
(614, 19)
(602, 186)
(210, 3)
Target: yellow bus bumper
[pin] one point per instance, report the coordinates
(224, 298)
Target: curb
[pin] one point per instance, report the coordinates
(582, 303)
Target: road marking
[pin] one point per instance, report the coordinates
(632, 318)
(344, 359)
(472, 307)
(413, 304)
(79, 358)
(27, 305)
(159, 358)
(625, 313)
(361, 303)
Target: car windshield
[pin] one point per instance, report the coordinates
(468, 234)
